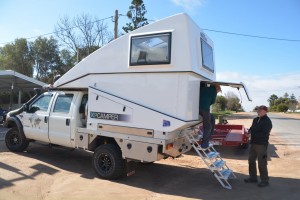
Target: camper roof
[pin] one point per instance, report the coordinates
(173, 44)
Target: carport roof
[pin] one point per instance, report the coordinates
(19, 81)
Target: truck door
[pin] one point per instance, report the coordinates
(35, 121)
(60, 119)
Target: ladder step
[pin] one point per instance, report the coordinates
(212, 155)
(226, 173)
(200, 148)
(218, 164)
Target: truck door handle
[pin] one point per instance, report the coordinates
(67, 122)
(46, 119)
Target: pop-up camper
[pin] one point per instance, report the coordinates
(135, 99)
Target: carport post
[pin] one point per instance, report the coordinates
(11, 96)
(20, 98)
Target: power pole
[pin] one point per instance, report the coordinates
(116, 24)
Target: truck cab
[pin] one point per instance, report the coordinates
(53, 117)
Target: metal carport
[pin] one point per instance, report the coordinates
(14, 81)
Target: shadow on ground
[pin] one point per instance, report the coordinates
(188, 182)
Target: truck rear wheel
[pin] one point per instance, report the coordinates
(15, 141)
(108, 162)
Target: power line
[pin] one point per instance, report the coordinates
(211, 30)
(253, 36)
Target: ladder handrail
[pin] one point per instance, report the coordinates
(221, 173)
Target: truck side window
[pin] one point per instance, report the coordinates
(63, 103)
(41, 104)
(83, 103)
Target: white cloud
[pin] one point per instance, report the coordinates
(261, 87)
(188, 5)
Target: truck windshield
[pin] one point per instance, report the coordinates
(207, 56)
(150, 49)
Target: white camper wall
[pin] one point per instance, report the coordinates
(174, 94)
(171, 88)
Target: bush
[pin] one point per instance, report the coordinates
(282, 108)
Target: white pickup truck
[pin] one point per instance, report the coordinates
(132, 100)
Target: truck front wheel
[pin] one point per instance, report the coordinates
(15, 141)
(108, 162)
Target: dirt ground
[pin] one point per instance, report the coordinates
(54, 173)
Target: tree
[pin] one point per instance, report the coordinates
(136, 14)
(292, 103)
(220, 104)
(83, 33)
(281, 100)
(286, 95)
(233, 102)
(16, 56)
(272, 100)
(46, 57)
(282, 108)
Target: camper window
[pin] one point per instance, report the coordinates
(207, 56)
(150, 49)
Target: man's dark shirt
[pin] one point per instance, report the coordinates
(207, 98)
(260, 130)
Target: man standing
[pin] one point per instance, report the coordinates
(260, 131)
(207, 98)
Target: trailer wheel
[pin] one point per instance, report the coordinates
(108, 162)
(15, 141)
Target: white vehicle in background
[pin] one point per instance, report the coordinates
(132, 100)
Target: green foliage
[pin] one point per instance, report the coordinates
(46, 56)
(136, 14)
(225, 112)
(233, 102)
(272, 100)
(221, 102)
(16, 56)
(228, 103)
(67, 62)
(282, 104)
(273, 108)
(282, 108)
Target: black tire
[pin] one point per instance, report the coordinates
(108, 162)
(15, 141)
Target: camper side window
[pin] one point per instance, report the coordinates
(150, 49)
(207, 56)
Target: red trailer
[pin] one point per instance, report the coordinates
(230, 135)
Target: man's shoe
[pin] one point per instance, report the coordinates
(263, 184)
(250, 180)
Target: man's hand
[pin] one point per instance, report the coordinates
(248, 133)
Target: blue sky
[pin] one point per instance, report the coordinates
(265, 66)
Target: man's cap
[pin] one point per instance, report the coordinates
(265, 108)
